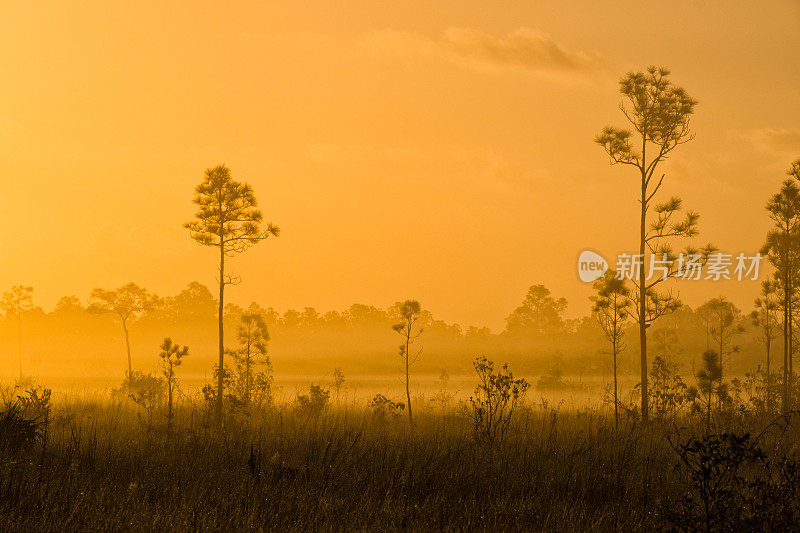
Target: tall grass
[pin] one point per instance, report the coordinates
(104, 466)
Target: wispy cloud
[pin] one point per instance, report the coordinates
(527, 49)
(782, 141)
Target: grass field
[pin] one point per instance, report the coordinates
(107, 465)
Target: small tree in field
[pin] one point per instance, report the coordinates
(409, 312)
(722, 319)
(782, 248)
(494, 401)
(765, 318)
(710, 385)
(127, 302)
(668, 393)
(227, 218)
(337, 381)
(611, 307)
(251, 356)
(171, 355)
(313, 403)
(14, 303)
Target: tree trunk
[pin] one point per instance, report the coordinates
(408, 390)
(128, 348)
(221, 374)
(721, 347)
(19, 339)
(643, 302)
(616, 401)
(769, 345)
(247, 383)
(786, 343)
(169, 400)
(789, 399)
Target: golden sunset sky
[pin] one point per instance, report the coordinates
(435, 150)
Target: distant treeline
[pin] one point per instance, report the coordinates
(69, 342)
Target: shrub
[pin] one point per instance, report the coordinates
(442, 399)
(18, 432)
(495, 399)
(668, 393)
(245, 389)
(36, 404)
(139, 382)
(314, 402)
(147, 391)
(731, 485)
(384, 408)
(209, 390)
(554, 379)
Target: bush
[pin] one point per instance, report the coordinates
(731, 485)
(384, 408)
(242, 395)
(137, 382)
(667, 392)
(314, 402)
(147, 391)
(36, 404)
(495, 399)
(17, 432)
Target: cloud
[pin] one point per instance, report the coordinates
(781, 141)
(526, 49)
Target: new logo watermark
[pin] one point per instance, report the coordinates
(591, 266)
(686, 266)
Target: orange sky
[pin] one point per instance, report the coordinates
(436, 150)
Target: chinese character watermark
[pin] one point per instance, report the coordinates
(686, 266)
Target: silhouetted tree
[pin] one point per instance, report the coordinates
(668, 392)
(409, 314)
(659, 113)
(794, 172)
(195, 304)
(611, 307)
(539, 313)
(127, 302)
(253, 336)
(723, 321)
(170, 356)
(709, 383)
(782, 248)
(68, 305)
(338, 381)
(665, 337)
(765, 318)
(16, 301)
(227, 218)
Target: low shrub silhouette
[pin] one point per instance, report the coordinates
(314, 402)
(19, 433)
(384, 409)
(494, 401)
(732, 485)
(139, 382)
